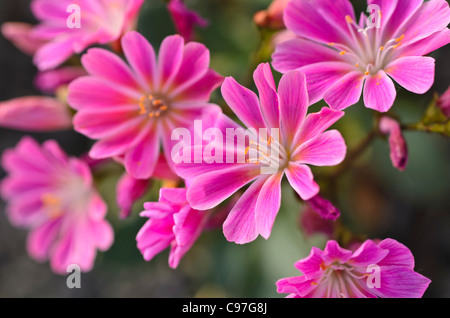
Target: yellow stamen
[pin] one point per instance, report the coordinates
(348, 19)
(342, 53)
(400, 38)
(367, 73)
(381, 48)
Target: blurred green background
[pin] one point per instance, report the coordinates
(375, 199)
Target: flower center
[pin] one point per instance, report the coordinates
(367, 52)
(52, 205)
(152, 105)
(266, 152)
(341, 280)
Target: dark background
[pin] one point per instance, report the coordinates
(375, 199)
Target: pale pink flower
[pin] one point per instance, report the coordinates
(302, 141)
(172, 223)
(35, 113)
(397, 143)
(132, 109)
(101, 22)
(185, 20)
(53, 196)
(384, 269)
(343, 58)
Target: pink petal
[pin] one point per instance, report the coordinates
(243, 102)
(49, 81)
(293, 103)
(53, 54)
(316, 123)
(379, 92)
(321, 76)
(268, 204)
(367, 254)
(333, 252)
(202, 89)
(302, 180)
(169, 59)
(346, 91)
(415, 73)
(210, 189)
(327, 149)
(267, 94)
(399, 282)
(321, 20)
(41, 239)
(21, 36)
(399, 254)
(193, 67)
(141, 159)
(426, 45)
(141, 56)
(107, 65)
(240, 226)
(431, 17)
(295, 53)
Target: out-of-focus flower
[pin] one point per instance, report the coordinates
(172, 223)
(397, 144)
(272, 17)
(50, 81)
(444, 103)
(35, 113)
(100, 22)
(21, 35)
(293, 141)
(343, 58)
(384, 269)
(128, 191)
(133, 109)
(185, 20)
(53, 196)
(311, 222)
(324, 208)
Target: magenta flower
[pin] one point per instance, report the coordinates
(35, 113)
(129, 190)
(343, 58)
(132, 109)
(172, 223)
(184, 19)
(444, 103)
(374, 270)
(397, 143)
(300, 141)
(312, 223)
(324, 208)
(53, 196)
(70, 27)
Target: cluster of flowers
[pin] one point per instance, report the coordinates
(131, 100)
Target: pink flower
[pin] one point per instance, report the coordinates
(343, 58)
(132, 109)
(35, 113)
(444, 103)
(172, 223)
(100, 22)
(397, 144)
(53, 196)
(374, 270)
(129, 190)
(300, 141)
(184, 19)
